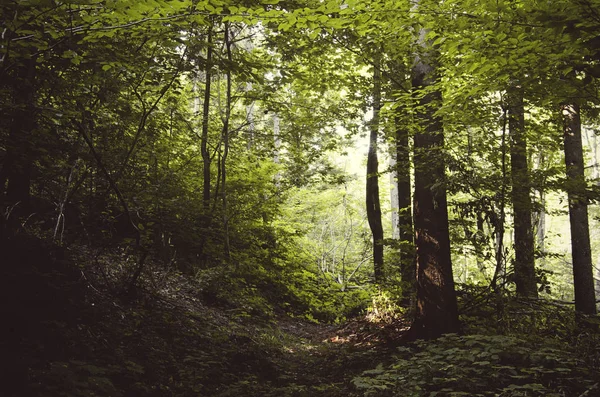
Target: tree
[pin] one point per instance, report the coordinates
(206, 156)
(437, 310)
(521, 201)
(405, 222)
(583, 274)
(372, 189)
(401, 182)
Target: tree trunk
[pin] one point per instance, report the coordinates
(436, 311)
(585, 299)
(524, 244)
(540, 235)
(277, 147)
(250, 119)
(206, 159)
(394, 197)
(372, 190)
(225, 137)
(405, 223)
(500, 218)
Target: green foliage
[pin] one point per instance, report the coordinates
(481, 365)
(321, 301)
(116, 91)
(385, 305)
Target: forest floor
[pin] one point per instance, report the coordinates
(72, 332)
(70, 325)
(323, 359)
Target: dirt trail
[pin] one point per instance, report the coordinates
(322, 360)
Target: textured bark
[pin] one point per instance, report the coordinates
(372, 189)
(436, 311)
(524, 242)
(583, 274)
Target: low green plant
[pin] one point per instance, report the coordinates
(384, 306)
(481, 365)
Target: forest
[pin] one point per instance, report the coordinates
(299, 198)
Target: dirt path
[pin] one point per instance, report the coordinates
(322, 360)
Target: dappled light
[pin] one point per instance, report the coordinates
(334, 198)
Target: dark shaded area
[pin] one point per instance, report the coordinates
(70, 331)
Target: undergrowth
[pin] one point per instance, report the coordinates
(482, 365)
(510, 347)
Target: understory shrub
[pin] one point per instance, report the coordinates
(482, 365)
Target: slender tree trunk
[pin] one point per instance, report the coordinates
(540, 235)
(206, 159)
(405, 222)
(394, 197)
(372, 190)
(500, 219)
(225, 133)
(276, 146)
(478, 242)
(524, 244)
(250, 119)
(248, 45)
(436, 311)
(583, 275)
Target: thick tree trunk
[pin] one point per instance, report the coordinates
(372, 189)
(524, 243)
(436, 311)
(583, 275)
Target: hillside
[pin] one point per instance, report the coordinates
(72, 332)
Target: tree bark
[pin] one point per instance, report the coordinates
(583, 275)
(499, 277)
(521, 200)
(405, 222)
(436, 311)
(394, 197)
(540, 235)
(225, 138)
(206, 159)
(372, 189)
